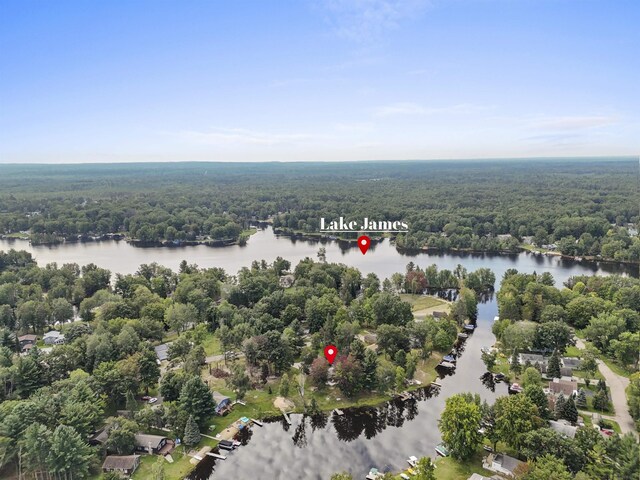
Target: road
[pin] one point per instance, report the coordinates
(617, 384)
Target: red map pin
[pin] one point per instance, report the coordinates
(330, 352)
(363, 243)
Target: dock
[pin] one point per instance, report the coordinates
(257, 422)
(404, 396)
(436, 384)
(287, 417)
(339, 412)
(217, 455)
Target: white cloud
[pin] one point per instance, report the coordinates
(575, 122)
(364, 20)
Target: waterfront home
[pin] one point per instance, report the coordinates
(153, 444)
(54, 337)
(223, 403)
(502, 463)
(286, 281)
(567, 364)
(124, 465)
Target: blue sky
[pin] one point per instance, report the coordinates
(317, 79)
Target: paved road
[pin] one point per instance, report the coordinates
(617, 384)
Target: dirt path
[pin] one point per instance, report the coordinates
(617, 384)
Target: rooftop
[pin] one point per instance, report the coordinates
(124, 462)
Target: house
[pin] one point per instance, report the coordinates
(53, 337)
(99, 437)
(27, 341)
(528, 240)
(286, 281)
(570, 363)
(223, 403)
(153, 444)
(502, 463)
(124, 465)
(504, 237)
(563, 428)
(565, 387)
(162, 351)
(533, 359)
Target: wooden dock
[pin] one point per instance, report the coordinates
(337, 411)
(287, 417)
(256, 422)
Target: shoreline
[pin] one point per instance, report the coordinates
(311, 237)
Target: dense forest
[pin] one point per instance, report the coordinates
(578, 207)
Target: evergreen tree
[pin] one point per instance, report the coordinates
(569, 411)
(284, 386)
(553, 369)
(369, 370)
(601, 401)
(401, 378)
(69, 455)
(581, 399)
(191, 432)
(515, 362)
(411, 364)
(559, 407)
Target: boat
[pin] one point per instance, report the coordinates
(462, 335)
(498, 377)
(404, 396)
(495, 319)
(487, 448)
(442, 450)
(226, 445)
(515, 388)
(444, 364)
(412, 460)
(449, 358)
(374, 474)
(469, 328)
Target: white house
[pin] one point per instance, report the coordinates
(53, 337)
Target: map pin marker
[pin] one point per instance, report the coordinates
(330, 352)
(363, 243)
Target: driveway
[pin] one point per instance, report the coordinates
(617, 384)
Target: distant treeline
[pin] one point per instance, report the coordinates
(579, 207)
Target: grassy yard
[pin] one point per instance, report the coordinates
(212, 345)
(420, 302)
(451, 469)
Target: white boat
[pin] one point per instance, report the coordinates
(404, 476)
(374, 474)
(412, 460)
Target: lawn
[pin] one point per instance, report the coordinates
(420, 302)
(212, 345)
(451, 469)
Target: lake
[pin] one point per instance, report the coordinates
(362, 438)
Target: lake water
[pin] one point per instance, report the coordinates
(362, 438)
